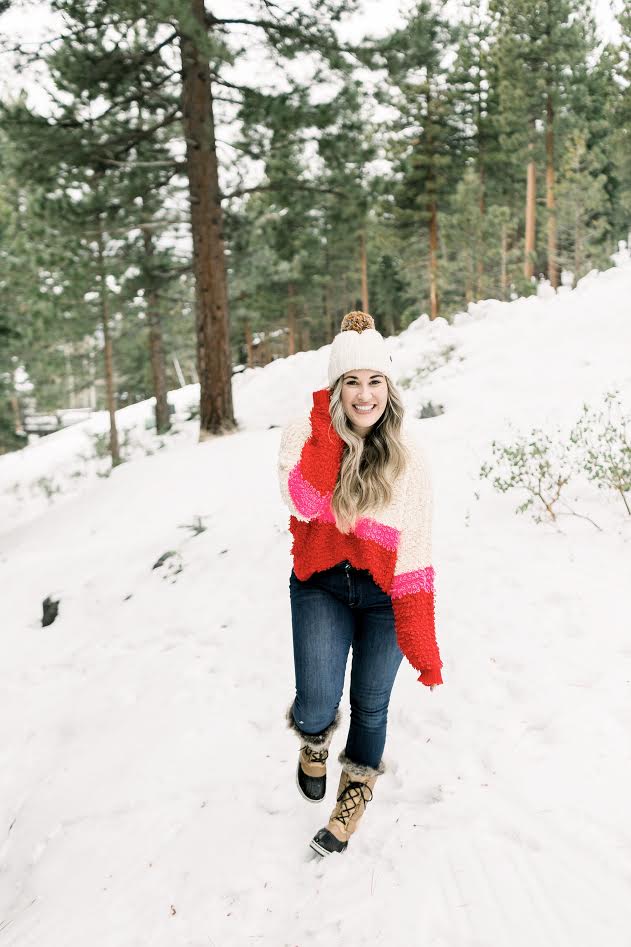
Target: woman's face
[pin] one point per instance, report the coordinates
(364, 398)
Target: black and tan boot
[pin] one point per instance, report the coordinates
(353, 794)
(311, 769)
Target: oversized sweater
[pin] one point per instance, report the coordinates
(394, 545)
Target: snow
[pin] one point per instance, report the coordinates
(148, 790)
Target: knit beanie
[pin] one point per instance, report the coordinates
(358, 345)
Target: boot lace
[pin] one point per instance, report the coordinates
(350, 798)
(316, 756)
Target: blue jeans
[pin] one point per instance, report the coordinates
(331, 611)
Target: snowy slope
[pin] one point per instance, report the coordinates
(147, 792)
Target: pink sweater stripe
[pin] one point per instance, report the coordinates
(305, 497)
(386, 536)
(419, 580)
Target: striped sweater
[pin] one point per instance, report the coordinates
(394, 545)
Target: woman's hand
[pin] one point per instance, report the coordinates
(322, 430)
(322, 453)
(320, 412)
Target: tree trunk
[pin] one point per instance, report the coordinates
(433, 212)
(468, 284)
(17, 414)
(531, 197)
(363, 258)
(178, 370)
(291, 318)
(345, 293)
(578, 244)
(107, 355)
(433, 260)
(328, 302)
(266, 352)
(247, 331)
(480, 109)
(553, 274)
(396, 321)
(306, 330)
(328, 313)
(156, 347)
(209, 265)
(479, 289)
(503, 258)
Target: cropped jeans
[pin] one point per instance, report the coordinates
(331, 611)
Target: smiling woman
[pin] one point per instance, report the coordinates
(357, 485)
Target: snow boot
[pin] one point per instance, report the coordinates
(311, 769)
(353, 794)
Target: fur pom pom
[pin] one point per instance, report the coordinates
(357, 321)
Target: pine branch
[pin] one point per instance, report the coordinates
(20, 48)
(146, 132)
(277, 186)
(282, 30)
(175, 163)
(133, 97)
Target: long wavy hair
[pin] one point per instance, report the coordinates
(370, 464)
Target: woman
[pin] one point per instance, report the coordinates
(358, 489)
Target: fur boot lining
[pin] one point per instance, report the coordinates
(360, 770)
(315, 741)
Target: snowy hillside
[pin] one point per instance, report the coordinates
(147, 793)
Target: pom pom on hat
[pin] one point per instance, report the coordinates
(358, 345)
(357, 321)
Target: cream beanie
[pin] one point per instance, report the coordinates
(358, 345)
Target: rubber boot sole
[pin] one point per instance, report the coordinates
(323, 852)
(308, 798)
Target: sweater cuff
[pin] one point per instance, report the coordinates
(431, 676)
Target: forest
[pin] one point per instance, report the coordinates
(207, 191)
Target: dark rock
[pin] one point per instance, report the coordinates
(51, 610)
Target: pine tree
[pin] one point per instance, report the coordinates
(207, 50)
(427, 139)
(474, 74)
(346, 148)
(543, 50)
(391, 294)
(582, 208)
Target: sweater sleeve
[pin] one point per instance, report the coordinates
(308, 466)
(412, 591)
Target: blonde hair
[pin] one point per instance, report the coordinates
(370, 464)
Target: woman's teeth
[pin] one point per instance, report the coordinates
(363, 409)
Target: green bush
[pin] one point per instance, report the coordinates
(535, 464)
(602, 441)
(599, 446)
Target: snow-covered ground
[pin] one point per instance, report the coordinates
(147, 792)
